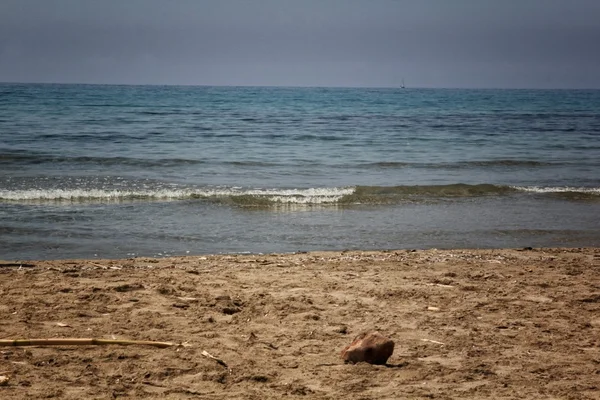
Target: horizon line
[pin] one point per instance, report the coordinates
(295, 86)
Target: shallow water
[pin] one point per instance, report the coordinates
(117, 171)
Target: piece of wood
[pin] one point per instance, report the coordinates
(20, 265)
(432, 341)
(82, 342)
(218, 360)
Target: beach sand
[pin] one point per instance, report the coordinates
(476, 324)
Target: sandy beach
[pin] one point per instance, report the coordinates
(472, 324)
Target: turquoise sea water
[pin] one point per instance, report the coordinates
(119, 171)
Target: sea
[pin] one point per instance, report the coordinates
(117, 171)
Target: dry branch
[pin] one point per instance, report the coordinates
(432, 341)
(82, 342)
(20, 265)
(218, 360)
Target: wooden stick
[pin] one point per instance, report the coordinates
(218, 360)
(20, 265)
(82, 342)
(432, 341)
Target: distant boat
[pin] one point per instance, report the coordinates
(402, 87)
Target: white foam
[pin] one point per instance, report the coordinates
(284, 196)
(88, 194)
(559, 189)
(303, 196)
(297, 196)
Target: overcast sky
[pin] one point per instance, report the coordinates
(428, 43)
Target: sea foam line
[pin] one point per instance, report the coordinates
(256, 196)
(298, 196)
(557, 189)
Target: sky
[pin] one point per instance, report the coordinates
(353, 43)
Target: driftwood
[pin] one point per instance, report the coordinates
(82, 342)
(19, 265)
(218, 360)
(432, 341)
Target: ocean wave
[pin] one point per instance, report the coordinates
(352, 195)
(460, 164)
(36, 159)
(558, 189)
(395, 194)
(386, 164)
(503, 163)
(83, 195)
(31, 158)
(564, 192)
(237, 196)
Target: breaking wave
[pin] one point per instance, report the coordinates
(225, 195)
(353, 195)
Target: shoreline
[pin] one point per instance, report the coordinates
(467, 323)
(35, 262)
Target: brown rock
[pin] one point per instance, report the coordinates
(371, 347)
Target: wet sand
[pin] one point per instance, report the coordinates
(472, 324)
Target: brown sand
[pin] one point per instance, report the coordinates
(474, 324)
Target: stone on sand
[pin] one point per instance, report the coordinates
(371, 347)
